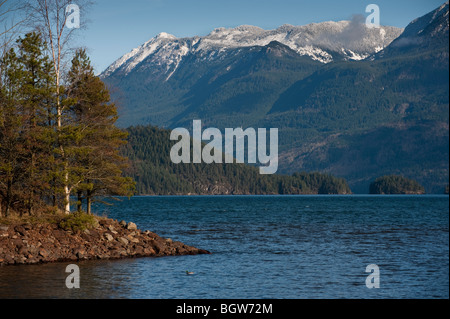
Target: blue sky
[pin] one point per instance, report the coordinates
(114, 27)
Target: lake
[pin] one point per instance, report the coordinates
(280, 247)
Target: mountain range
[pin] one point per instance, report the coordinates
(349, 100)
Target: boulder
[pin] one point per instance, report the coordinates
(109, 237)
(43, 252)
(131, 226)
(123, 240)
(123, 223)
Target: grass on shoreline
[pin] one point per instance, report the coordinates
(77, 221)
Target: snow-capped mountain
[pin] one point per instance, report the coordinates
(324, 42)
(424, 33)
(435, 23)
(355, 119)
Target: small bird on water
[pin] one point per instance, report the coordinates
(189, 272)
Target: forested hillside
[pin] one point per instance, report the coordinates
(148, 150)
(384, 114)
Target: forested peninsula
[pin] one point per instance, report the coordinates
(59, 149)
(148, 151)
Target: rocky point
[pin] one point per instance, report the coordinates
(110, 239)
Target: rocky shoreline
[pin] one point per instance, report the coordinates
(110, 239)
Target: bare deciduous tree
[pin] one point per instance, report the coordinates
(50, 18)
(11, 17)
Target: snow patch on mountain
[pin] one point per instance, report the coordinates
(322, 42)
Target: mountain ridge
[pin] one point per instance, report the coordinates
(350, 39)
(328, 114)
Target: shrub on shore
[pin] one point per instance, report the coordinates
(78, 221)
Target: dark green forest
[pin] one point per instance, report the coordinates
(148, 151)
(394, 184)
(56, 140)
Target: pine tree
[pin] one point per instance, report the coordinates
(25, 137)
(35, 131)
(56, 141)
(97, 162)
(11, 146)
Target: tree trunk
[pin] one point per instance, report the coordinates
(54, 200)
(30, 209)
(31, 194)
(66, 193)
(88, 202)
(66, 200)
(79, 201)
(8, 198)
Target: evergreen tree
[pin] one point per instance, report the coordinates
(11, 144)
(35, 132)
(96, 162)
(26, 136)
(56, 142)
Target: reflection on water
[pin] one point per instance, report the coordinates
(123, 278)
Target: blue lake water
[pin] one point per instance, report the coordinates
(289, 247)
